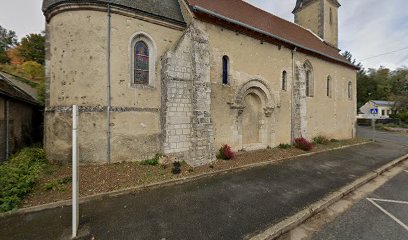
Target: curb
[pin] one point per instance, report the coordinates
(66, 203)
(292, 222)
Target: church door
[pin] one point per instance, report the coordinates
(251, 119)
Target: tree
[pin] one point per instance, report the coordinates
(8, 39)
(33, 71)
(14, 56)
(32, 48)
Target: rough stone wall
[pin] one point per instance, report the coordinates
(186, 97)
(299, 103)
(77, 74)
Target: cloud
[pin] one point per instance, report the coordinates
(367, 28)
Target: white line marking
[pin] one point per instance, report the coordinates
(387, 200)
(406, 171)
(389, 214)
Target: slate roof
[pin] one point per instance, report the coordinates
(167, 9)
(244, 15)
(11, 90)
(383, 103)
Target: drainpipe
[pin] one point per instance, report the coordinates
(292, 109)
(7, 118)
(109, 88)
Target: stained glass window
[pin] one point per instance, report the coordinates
(141, 68)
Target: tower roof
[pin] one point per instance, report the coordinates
(301, 3)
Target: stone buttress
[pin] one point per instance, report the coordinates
(187, 127)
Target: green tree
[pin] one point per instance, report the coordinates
(32, 48)
(8, 39)
(33, 70)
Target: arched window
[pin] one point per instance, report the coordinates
(284, 81)
(141, 63)
(225, 70)
(309, 79)
(350, 90)
(329, 87)
(142, 60)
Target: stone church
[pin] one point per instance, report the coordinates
(184, 77)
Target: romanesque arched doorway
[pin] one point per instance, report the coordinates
(254, 126)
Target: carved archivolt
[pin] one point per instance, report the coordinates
(259, 88)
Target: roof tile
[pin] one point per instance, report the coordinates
(249, 15)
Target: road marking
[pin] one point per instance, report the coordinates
(388, 214)
(406, 171)
(387, 200)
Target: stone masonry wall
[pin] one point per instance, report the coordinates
(186, 99)
(299, 92)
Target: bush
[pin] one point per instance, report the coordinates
(303, 144)
(226, 153)
(19, 175)
(333, 140)
(152, 162)
(284, 146)
(321, 140)
(403, 117)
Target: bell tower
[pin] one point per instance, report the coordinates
(321, 17)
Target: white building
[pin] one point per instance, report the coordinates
(385, 108)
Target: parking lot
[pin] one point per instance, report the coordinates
(382, 215)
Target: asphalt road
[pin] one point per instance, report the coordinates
(228, 206)
(381, 216)
(382, 136)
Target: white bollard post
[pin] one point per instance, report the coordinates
(75, 173)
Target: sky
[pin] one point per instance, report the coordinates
(367, 27)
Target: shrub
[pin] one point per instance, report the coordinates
(226, 153)
(176, 168)
(60, 184)
(152, 162)
(284, 146)
(303, 144)
(333, 140)
(19, 175)
(403, 117)
(321, 140)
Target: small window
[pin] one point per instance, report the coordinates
(284, 81)
(141, 63)
(225, 70)
(331, 17)
(329, 87)
(308, 73)
(383, 112)
(309, 79)
(350, 90)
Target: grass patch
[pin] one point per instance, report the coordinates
(322, 140)
(19, 175)
(59, 184)
(153, 161)
(285, 146)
